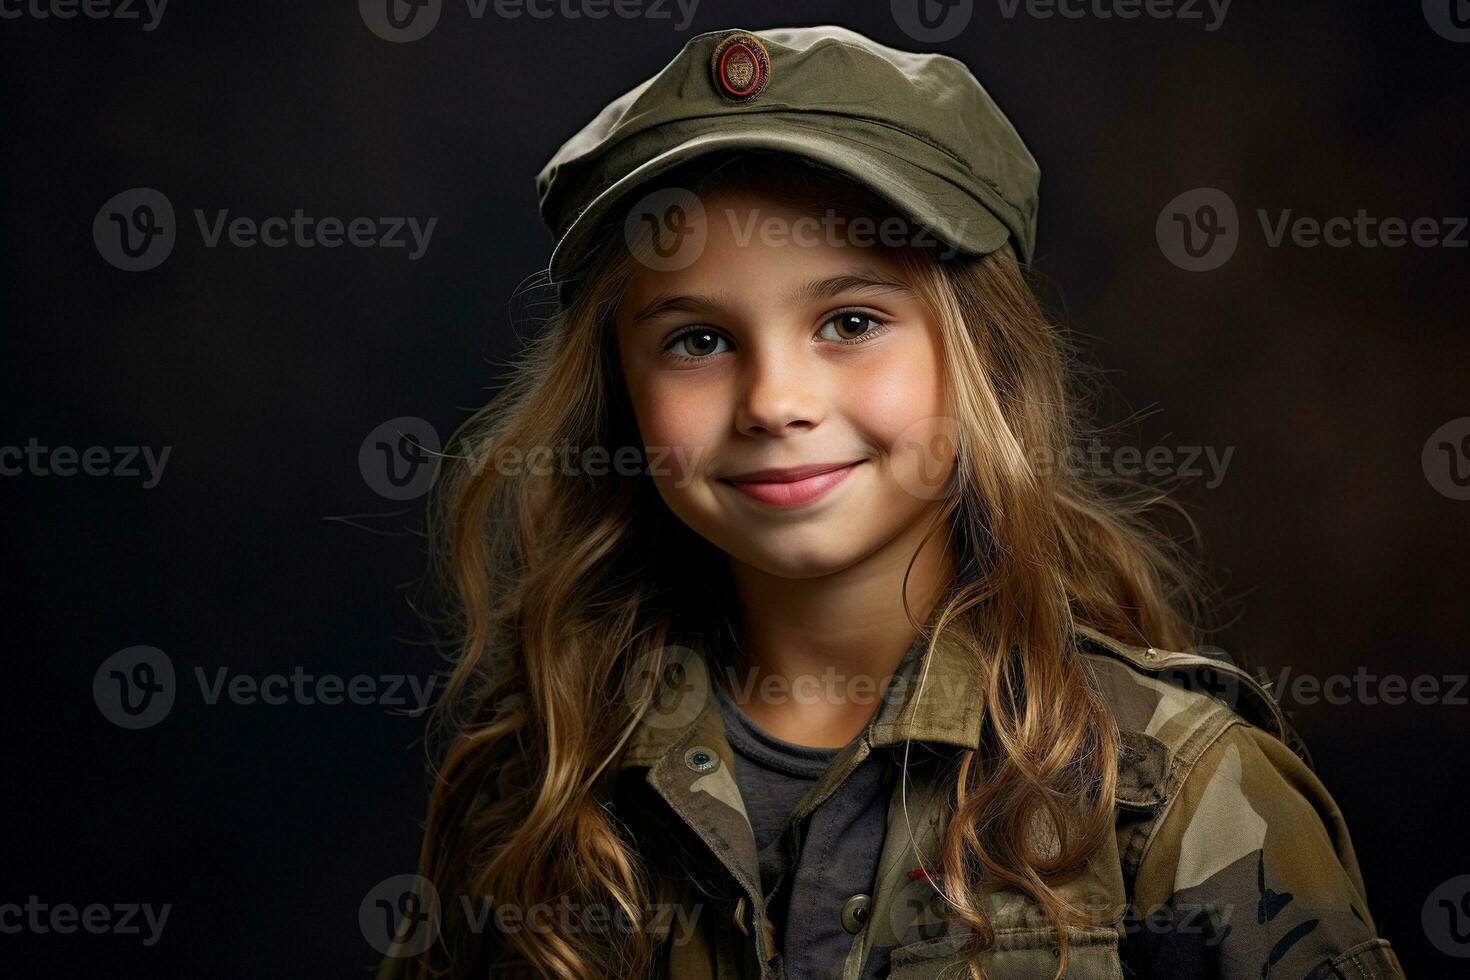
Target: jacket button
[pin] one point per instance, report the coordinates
(701, 759)
(855, 913)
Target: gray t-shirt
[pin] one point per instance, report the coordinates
(840, 848)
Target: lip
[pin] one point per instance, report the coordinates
(787, 474)
(791, 486)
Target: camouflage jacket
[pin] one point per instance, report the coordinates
(1230, 860)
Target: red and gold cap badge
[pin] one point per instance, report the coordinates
(741, 67)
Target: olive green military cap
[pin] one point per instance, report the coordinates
(916, 128)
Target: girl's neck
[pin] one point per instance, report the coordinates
(815, 652)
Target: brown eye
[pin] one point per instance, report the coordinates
(695, 344)
(850, 326)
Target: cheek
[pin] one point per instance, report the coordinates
(677, 416)
(893, 394)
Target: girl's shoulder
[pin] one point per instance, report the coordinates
(1225, 833)
(1172, 710)
(1171, 706)
(1148, 687)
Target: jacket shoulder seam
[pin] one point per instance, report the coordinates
(1182, 769)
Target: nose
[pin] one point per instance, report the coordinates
(782, 392)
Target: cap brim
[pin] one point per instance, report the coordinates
(930, 200)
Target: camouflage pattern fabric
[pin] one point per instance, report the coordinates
(1230, 860)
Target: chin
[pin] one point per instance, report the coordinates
(791, 559)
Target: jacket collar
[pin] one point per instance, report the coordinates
(944, 705)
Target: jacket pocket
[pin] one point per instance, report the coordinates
(1017, 954)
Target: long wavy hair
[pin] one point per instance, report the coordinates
(560, 582)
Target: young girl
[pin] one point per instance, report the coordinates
(795, 643)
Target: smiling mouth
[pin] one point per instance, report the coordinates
(793, 487)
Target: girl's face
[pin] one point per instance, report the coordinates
(790, 350)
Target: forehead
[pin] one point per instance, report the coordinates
(760, 245)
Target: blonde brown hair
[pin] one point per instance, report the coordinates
(560, 583)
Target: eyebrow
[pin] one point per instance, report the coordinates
(665, 303)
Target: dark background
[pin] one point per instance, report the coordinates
(1326, 369)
